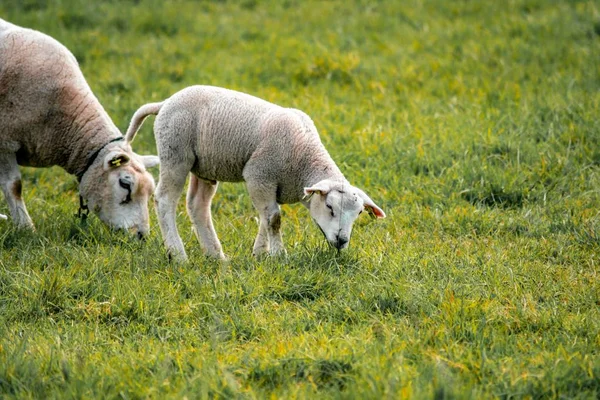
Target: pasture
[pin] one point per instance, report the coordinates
(473, 124)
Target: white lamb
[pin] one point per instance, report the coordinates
(49, 116)
(223, 135)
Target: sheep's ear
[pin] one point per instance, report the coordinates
(370, 205)
(322, 188)
(115, 159)
(149, 161)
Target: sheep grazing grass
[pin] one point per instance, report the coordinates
(219, 135)
(473, 124)
(49, 116)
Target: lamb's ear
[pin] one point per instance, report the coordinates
(149, 161)
(322, 187)
(115, 159)
(370, 205)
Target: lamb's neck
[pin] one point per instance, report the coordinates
(320, 169)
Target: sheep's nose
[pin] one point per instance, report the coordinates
(139, 233)
(341, 242)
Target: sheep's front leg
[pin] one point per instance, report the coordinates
(10, 180)
(168, 192)
(274, 229)
(199, 197)
(269, 231)
(261, 243)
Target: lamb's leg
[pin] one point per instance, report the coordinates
(168, 192)
(199, 197)
(261, 243)
(269, 232)
(10, 180)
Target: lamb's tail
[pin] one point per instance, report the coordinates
(139, 117)
(2, 216)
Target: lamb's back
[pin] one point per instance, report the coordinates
(224, 127)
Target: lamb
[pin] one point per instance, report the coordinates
(49, 116)
(223, 135)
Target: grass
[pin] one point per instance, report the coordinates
(473, 124)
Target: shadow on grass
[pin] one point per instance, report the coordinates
(323, 259)
(324, 373)
(299, 289)
(19, 238)
(494, 196)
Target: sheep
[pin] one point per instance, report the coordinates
(223, 135)
(49, 116)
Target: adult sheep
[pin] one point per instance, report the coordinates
(49, 116)
(223, 135)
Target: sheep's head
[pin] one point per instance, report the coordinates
(335, 206)
(117, 188)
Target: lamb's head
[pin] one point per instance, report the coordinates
(335, 205)
(117, 188)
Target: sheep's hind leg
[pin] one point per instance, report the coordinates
(10, 180)
(168, 192)
(269, 231)
(199, 197)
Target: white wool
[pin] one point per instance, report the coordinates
(223, 135)
(49, 116)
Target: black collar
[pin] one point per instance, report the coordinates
(94, 156)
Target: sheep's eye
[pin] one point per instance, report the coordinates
(127, 186)
(330, 209)
(360, 212)
(124, 184)
(127, 198)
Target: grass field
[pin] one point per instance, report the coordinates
(474, 125)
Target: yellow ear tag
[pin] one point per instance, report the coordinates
(116, 162)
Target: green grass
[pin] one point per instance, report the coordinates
(474, 124)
